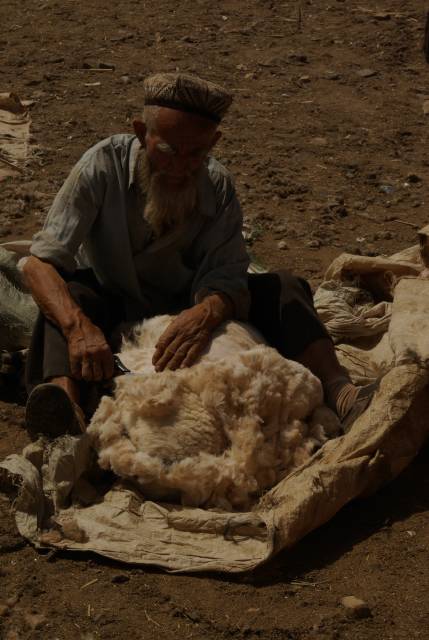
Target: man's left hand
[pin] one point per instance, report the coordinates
(190, 332)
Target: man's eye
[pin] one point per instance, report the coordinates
(165, 148)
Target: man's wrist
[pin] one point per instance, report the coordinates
(75, 321)
(219, 307)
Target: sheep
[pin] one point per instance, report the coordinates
(217, 434)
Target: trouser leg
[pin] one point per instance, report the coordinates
(282, 310)
(48, 354)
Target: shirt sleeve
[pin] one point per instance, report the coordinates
(222, 256)
(72, 213)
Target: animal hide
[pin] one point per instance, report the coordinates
(218, 433)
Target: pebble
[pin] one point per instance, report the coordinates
(126, 79)
(331, 75)
(305, 79)
(106, 65)
(356, 608)
(426, 107)
(4, 610)
(120, 578)
(319, 142)
(366, 73)
(413, 178)
(313, 244)
(281, 245)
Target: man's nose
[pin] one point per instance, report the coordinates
(181, 165)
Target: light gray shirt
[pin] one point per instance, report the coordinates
(97, 221)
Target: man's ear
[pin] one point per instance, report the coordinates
(217, 136)
(140, 130)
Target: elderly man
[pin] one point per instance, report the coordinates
(148, 224)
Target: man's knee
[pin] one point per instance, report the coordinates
(293, 287)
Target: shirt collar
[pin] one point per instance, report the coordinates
(134, 153)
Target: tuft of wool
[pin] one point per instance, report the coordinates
(217, 434)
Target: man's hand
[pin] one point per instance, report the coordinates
(188, 334)
(91, 358)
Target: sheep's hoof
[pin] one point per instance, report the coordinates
(52, 413)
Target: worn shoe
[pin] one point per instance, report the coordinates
(52, 413)
(360, 405)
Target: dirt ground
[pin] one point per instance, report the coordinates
(327, 140)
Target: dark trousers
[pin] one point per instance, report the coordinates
(281, 309)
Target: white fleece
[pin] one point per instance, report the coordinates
(218, 433)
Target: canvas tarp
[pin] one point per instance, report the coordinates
(15, 124)
(59, 504)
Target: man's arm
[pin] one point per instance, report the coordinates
(90, 355)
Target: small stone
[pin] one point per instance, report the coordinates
(193, 615)
(281, 245)
(356, 608)
(319, 142)
(313, 244)
(413, 178)
(125, 79)
(106, 65)
(120, 578)
(4, 610)
(426, 107)
(297, 57)
(331, 75)
(382, 16)
(366, 73)
(305, 79)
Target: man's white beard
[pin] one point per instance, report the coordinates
(165, 209)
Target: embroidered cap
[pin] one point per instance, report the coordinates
(187, 93)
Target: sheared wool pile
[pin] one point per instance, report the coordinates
(218, 433)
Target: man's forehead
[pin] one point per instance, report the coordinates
(173, 125)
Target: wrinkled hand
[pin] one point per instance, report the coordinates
(91, 358)
(189, 333)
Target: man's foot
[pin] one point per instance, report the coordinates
(51, 412)
(360, 404)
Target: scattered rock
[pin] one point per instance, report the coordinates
(382, 16)
(126, 79)
(304, 79)
(120, 578)
(106, 65)
(313, 244)
(281, 245)
(426, 107)
(413, 178)
(331, 75)
(355, 607)
(4, 610)
(297, 57)
(386, 188)
(366, 73)
(319, 142)
(193, 615)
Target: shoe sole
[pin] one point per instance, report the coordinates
(50, 412)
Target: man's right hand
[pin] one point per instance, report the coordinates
(91, 358)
